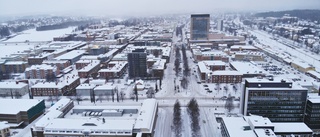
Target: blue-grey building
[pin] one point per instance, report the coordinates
(200, 25)
(137, 61)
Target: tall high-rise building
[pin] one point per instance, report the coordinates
(279, 100)
(220, 25)
(200, 25)
(137, 61)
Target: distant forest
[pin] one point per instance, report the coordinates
(313, 15)
(62, 25)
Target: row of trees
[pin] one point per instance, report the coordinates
(177, 61)
(194, 114)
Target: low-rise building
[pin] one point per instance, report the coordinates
(85, 89)
(72, 56)
(24, 111)
(61, 64)
(106, 89)
(60, 87)
(91, 121)
(91, 68)
(4, 129)
(302, 66)
(115, 69)
(42, 72)
(15, 66)
(37, 60)
(220, 76)
(14, 89)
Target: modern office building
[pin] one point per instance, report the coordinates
(277, 99)
(258, 126)
(220, 25)
(312, 115)
(137, 60)
(200, 25)
(20, 111)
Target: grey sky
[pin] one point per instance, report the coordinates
(146, 7)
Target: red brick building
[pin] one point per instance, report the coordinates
(115, 69)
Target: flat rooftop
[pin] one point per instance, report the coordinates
(70, 55)
(19, 105)
(12, 85)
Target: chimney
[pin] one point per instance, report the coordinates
(17, 82)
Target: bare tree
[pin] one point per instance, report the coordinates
(100, 97)
(194, 113)
(122, 95)
(150, 92)
(229, 103)
(177, 121)
(78, 98)
(107, 95)
(136, 92)
(50, 99)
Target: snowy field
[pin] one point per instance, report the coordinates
(304, 55)
(33, 35)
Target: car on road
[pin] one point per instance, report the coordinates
(206, 88)
(205, 85)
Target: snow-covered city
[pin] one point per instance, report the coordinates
(184, 74)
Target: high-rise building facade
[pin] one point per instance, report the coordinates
(279, 100)
(137, 61)
(220, 25)
(200, 25)
(312, 115)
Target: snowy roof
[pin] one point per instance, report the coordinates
(93, 124)
(52, 113)
(110, 53)
(146, 116)
(12, 85)
(243, 47)
(246, 68)
(19, 105)
(314, 100)
(86, 86)
(159, 64)
(90, 66)
(3, 125)
(203, 68)
(226, 72)
(65, 80)
(119, 65)
(15, 63)
(214, 63)
(41, 67)
(90, 57)
(54, 61)
(314, 73)
(302, 64)
(236, 126)
(105, 87)
(70, 55)
(291, 128)
(98, 81)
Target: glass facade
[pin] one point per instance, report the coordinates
(137, 64)
(200, 26)
(277, 105)
(312, 118)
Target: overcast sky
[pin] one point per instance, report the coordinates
(146, 7)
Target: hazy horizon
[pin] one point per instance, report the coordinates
(146, 7)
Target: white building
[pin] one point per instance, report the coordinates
(13, 88)
(64, 119)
